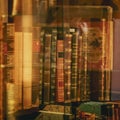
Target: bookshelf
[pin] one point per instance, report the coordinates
(59, 60)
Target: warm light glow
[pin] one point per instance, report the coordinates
(18, 68)
(23, 64)
(27, 61)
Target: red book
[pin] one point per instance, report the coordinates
(60, 66)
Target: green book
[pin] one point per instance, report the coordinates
(100, 109)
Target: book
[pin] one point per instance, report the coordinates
(84, 78)
(18, 69)
(35, 66)
(1, 71)
(60, 66)
(59, 111)
(67, 65)
(95, 59)
(23, 75)
(26, 56)
(97, 49)
(47, 66)
(74, 64)
(53, 76)
(115, 87)
(42, 32)
(27, 69)
(108, 57)
(39, 11)
(101, 109)
(8, 71)
(79, 68)
(94, 29)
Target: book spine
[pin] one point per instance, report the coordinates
(26, 56)
(60, 67)
(27, 70)
(1, 72)
(8, 71)
(53, 65)
(84, 78)
(79, 67)
(42, 32)
(96, 61)
(47, 66)
(96, 53)
(107, 110)
(115, 87)
(85, 116)
(35, 66)
(18, 68)
(67, 66)
(116, 112)
(108, 58)
(110, 113)
(74, 65)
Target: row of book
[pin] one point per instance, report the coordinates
(17, 80)
(63, 64)
(75, 62)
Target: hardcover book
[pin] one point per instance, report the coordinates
(1, 71)
(53, 65)
(47, 66)
(100, 109)
(60, 66)
(8, 71)
(67, 66)
(35, 66)
(74, 64)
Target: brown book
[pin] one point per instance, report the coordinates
(67, 66)
(60, 67)
(46, 69)
(35, 66)
(18, 68)
(23, 75)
